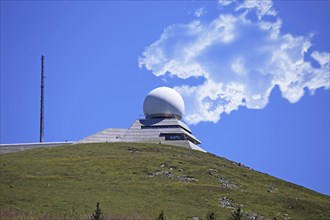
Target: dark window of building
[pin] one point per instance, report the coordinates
(174, 137)
(163, 126)
(160, 126)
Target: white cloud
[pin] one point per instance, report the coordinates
(208, 101)
(261, 7)
(238, 67)
(241, 61)
(225, 2)
(322, 58)
(199, 12)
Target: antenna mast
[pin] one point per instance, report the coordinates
(42, 101)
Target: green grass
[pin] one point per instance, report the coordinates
(61, 180)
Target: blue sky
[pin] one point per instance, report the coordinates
(254, 75)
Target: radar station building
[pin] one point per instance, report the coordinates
(163, 108)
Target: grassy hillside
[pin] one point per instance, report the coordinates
(130, 179)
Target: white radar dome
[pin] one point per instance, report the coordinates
(163, 102)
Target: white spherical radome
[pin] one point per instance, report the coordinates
(163, 102)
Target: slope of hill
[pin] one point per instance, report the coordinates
(135, 179)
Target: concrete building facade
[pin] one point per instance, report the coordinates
(163, 109)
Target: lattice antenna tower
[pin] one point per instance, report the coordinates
(42, 97)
